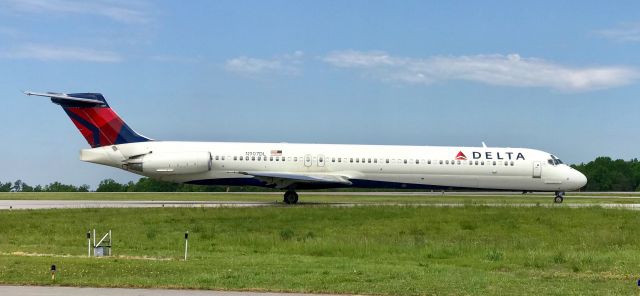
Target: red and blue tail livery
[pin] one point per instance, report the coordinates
(95, 120)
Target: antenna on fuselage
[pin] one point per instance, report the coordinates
(484, 145)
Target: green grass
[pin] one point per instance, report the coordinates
(363, 250)
(313, 197)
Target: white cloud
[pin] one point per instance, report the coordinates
(629, 32)
(496, 69)
(120, 11)
(285, 64)
(53, 53)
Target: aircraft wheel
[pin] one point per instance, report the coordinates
(559, 197)
(290, 197)
(287, 197)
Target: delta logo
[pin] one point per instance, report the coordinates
(461, 156)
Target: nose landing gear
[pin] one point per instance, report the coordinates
(559, 197)
(290, 197)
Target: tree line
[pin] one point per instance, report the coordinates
(20, 186)
(606, 174)
(110, 185)
(603, 174)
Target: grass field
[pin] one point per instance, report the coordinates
(386, 250)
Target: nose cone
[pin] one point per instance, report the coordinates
(578, 179)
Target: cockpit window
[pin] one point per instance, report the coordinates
(554, 160)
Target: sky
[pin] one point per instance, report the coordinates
(560, 76)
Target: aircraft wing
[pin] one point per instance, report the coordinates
(284, 179)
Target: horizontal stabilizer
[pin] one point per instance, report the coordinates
(65, 97)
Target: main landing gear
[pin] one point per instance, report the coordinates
(290, 197)
(559, 197)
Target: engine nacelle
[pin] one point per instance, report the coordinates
(172, 163)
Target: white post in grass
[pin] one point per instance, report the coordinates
(186, 244)
(88, 243)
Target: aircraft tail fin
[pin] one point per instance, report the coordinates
(95, 120)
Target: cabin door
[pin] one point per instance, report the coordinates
(537, 169)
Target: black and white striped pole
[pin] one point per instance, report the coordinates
(186, 244)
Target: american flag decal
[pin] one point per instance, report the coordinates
(276, 152)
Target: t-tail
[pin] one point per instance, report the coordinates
(95, 120)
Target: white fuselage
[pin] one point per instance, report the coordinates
(363, 165)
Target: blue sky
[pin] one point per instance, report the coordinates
(561, 77)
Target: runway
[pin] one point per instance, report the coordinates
(71, 291)
(90, 204)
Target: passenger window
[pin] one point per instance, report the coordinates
(494, 162)
(277, 158)
(476, 162)
(482, 162)
(271, 158)
(339, 159)
(217, 157)
(470, 162)
(375, 160)
(506, 163)
(333, 159)
(429, 161)
(447, 162)
(512, 163)
(259, 158)
(405, 161)
(458, 162)
(440, 161)
(222, 157)
(369, 160)
(358, 160)
(387, 160)
(235, 158)
(350, 159)
(241, 158)
(417, 161)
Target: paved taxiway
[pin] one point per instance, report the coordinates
(71, 291)
(85, 204)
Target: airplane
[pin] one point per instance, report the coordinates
(290, 167)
